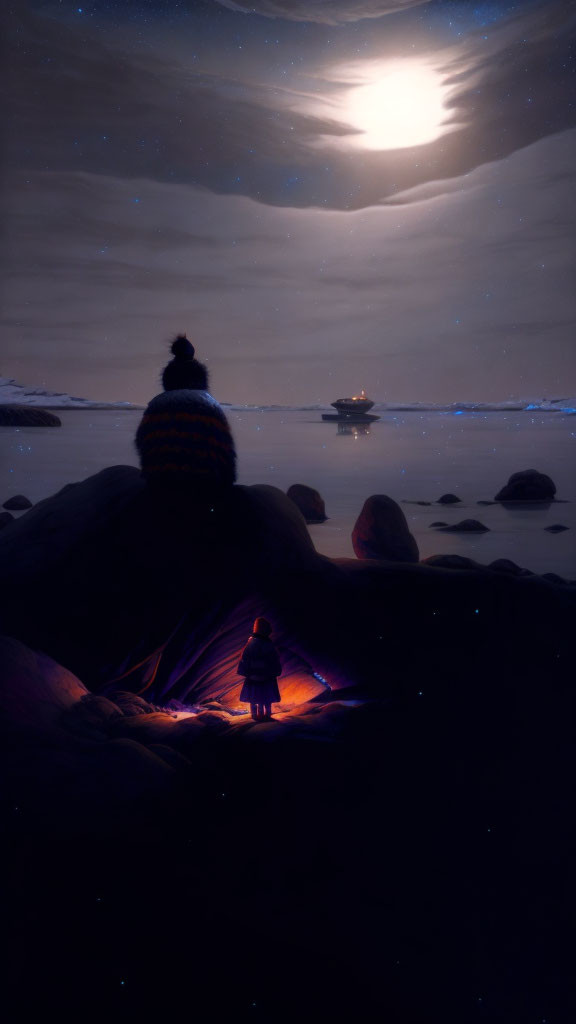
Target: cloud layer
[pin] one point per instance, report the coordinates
(120, 114)
(327, 12)
(464, 295)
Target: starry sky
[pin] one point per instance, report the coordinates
(324, 194)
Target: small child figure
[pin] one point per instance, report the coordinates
(261, 666)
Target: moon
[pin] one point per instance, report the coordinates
(400, 104)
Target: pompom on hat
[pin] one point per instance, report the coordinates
(184, 371)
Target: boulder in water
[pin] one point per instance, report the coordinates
(466, 526)
(439, 523)
(18, 503)
(448, 499)
(556, 528)
(381, 532)
(528, 485)
(309, 501)
(27, 416)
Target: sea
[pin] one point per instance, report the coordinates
(412, 455)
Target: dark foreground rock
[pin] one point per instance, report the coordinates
(528, 485)
(18, 503)
(448, 499)
(137, 845)
(158, 598)
(506, 565)
(381, 532)
(5, 519)
(309, 501)
(466, 526)
(27, 416)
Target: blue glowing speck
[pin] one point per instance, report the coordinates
(459, 412)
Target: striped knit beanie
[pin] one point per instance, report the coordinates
(184, 439)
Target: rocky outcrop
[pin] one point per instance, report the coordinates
(5, 519)
(309, 501)
(135, 593)
(466, 526)
(507, 566)
(18, 503)
(381, 532)
(529, 485)
(27, 416)
(448, 499)
(452, 562)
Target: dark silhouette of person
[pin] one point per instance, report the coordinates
(261, 666)
(184, 440)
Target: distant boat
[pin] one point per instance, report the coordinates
(349, 409)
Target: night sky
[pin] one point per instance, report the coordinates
(324, 194)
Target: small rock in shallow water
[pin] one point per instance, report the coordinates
(486, 503)
(438, 524)
(5, 519)
(381, 532)
(27, 416)
(467, 526)
(448, 499)
(556, 528)
(18, 503)
(309, 501)
(529, 485)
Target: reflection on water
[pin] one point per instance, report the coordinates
(413, 457)
(354, 429)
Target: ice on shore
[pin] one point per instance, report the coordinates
(12, 393)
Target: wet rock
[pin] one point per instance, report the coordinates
(439, 523)
(34, 689)
(528, 485)
(309, 501)
(18, 503)
(27, 416)
(467, 526)
(131, 704)
(92, 716)
(381, 532)
(556, 528)
(451, 562)
(448, 499)
(507, 566)
(5, 519)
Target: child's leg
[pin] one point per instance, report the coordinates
(268, 711)
(254, 711)
(260, 711)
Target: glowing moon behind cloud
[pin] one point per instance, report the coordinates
(397, 105)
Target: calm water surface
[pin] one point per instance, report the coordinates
(412, 456)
